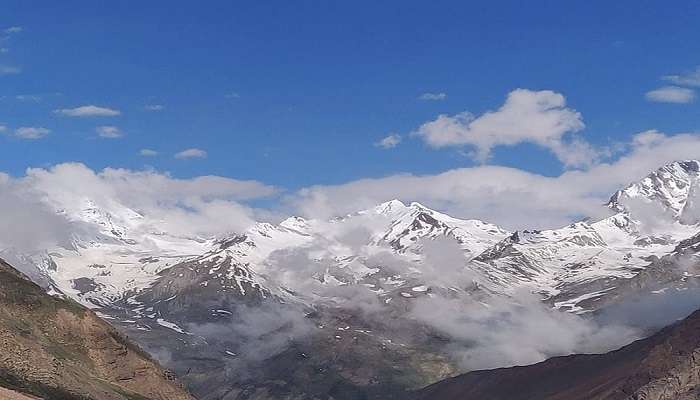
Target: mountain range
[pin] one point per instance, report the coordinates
(381, 302)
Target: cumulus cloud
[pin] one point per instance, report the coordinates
(148, 153)
(539, 117)
(389, 142)
(671, 94)
(191, 153)
(109, 132)
(31, 133)
(9, 70)
(433, 96)
(690, 78)
(513, 198)
(88, 111)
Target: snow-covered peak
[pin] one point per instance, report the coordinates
(668, 187)
(390, 208)
(410, 224)
(117, 225)
(294, 223)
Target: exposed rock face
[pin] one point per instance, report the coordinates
(665, 366)
(56, 349)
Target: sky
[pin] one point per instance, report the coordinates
(337, 105)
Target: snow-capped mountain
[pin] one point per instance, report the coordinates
(411, 224)
(118, 254)
(577, 265)
(670, 187)
(355, 282)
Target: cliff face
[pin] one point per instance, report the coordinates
(665, 366)
(56, 349)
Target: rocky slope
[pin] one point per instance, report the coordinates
(7, 394)
(56, 349)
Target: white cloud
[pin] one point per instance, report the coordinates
(191, 153)
(31, 133)
(389, 142)
(35, 98)
(27, 223)
(4, 50)
(433, 96)
(204, 205)
(671, 94)
(3, 128)
(154, 107)
(9, 70)
(513, 198)
(527, 116)
(691, 78)
(232, 95)
(88, 111)
(13, 29)
(109, 132)
(148, 153)
(517, 331)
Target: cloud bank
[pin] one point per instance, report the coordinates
(512, 198)
(37, 207)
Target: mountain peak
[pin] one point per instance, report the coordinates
(669, 187)
(420, 206)
(390, 207)
(295, 223)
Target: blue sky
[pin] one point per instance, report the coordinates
(297, 93)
